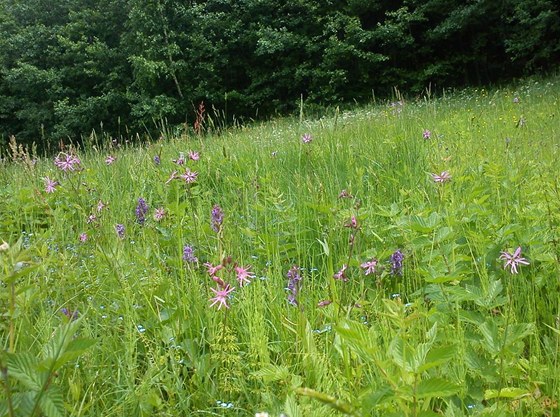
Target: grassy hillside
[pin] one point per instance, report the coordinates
(397, 260)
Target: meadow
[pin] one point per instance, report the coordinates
(399, 259)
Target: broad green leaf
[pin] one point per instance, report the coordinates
(491, 340)
(272, 373)
(52, 403)
(436, 387)
(509, 392)
(74, 349)
(438, 356)
(24, 368)
(516, 332)
(291, 407)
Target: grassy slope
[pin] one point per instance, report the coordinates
(161, 350)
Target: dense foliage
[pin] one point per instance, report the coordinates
(121, 67)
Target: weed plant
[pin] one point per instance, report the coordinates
(396, 260)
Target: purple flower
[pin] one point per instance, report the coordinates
(110, 159)
(67, 162)
(306, 138)
(396, 262)
(513, 260)
(344, 194)
(83, 237)
(100, 206)
(157, 160)
(370, 266)
(72, 315)
(181, 159)
(441, 178)
(188, 254)
(294, 284)
(217, 218)
(341, 274)
(141, 211)
(221, 296)
(119, 228)
(427, 134)
(50, 185)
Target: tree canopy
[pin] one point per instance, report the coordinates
(72, 66)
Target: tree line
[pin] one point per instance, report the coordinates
(69, 67)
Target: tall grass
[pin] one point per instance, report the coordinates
(453, 333)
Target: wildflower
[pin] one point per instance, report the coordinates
(180, 160)
(396, 262)
(67, 162)
(157, 160)
(370, 266)
(100, 206)
(50, 185)
(306, 138)
(345, 194)
(72, 315)
(194, 155)
(110, 159)
(441, 178)
(294, 283)
(92, 218)
(427, 134)
(212, 270)
(83, 237)
(221, 296)
(341, 274)
(261, 414)
(516, 99)
(274, 153)
(243, 275)
(324, 303)
(219, 281)
(217, 218)
(189, 176)
(513, 260)
(141, 211)
(353, 223)
(188, 254)
(172, 177)
(119, 228)
(159, 214)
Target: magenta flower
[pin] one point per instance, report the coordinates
(426, 134)
(50, 185)
(370, 266)
(221, 296)
(243, 275)
(353, 223)
(83, 237)
(110, 159)
(306, 138)
(194, 155)
(441, 178)
(212, 270)
(513, 260)
(341, 275)
(67, 162)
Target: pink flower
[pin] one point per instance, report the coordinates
(213, 270)
(324, 303)
(189, 176)
(50, 185)
(441, 178)
(221, 296)
(110, 159)
(353, 223)
(341, 275)
(513, 260)
(306, 138)
(92, 218)
(426, 134)
(100, 206)
(159, 214)
(181, 159)
(243, 275)
(194, 155)
(369, 266)
(83, 237)
(67, 162)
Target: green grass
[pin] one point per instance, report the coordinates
(456, 334)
